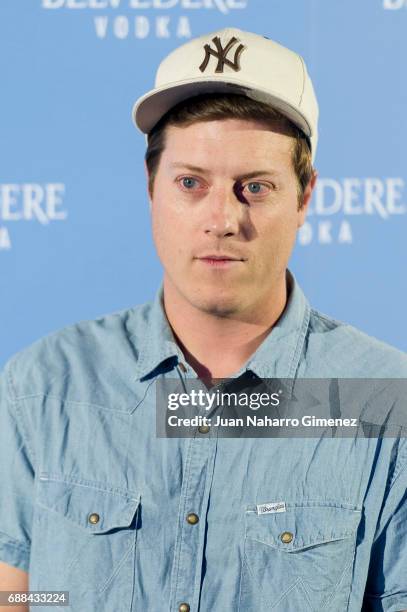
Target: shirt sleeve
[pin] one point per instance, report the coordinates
(386, 588)
(16, 478)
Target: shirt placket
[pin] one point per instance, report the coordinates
(186, 576)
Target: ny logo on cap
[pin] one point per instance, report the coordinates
(221, 54)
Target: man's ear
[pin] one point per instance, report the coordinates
(308, 191)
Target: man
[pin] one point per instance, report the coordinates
(92, 501)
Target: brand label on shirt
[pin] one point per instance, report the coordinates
(270, 507)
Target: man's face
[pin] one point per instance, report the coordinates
(225, 214)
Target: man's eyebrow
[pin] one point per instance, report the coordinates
(256, 173)
(188, 167)
(240, 177)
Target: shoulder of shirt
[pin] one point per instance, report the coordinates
(349, 352)
(110, 342)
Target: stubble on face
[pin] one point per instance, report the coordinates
(210, 218)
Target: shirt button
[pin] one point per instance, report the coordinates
(184, 607)
(192, 519)
(286, 537)
(203, 429)
(94, 518)
(182, 367)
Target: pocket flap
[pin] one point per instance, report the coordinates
(89, 506)
(302, 526)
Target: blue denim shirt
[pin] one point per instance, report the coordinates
(92, 502)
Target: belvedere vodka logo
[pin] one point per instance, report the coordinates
(394, 5)
(42, 203)
(143, 18)
(337, 202)
(335, 206)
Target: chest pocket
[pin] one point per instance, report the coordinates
(84, 541)
(300, 559)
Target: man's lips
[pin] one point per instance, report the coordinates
(218, 255)
(219, 259)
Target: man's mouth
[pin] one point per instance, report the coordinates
(220, 260)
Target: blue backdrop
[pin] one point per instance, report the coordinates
(74, 224)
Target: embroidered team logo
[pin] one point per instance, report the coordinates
(221, 54)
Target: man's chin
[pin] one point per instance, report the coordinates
(218, 306)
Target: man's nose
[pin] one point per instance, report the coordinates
(223, 213)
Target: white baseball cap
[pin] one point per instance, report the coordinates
(233, 61)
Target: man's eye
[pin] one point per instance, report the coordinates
(256, 188)
(188, 182)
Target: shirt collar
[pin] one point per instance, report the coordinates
(277, 356)
(157, 339)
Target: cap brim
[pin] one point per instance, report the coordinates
(149, 109)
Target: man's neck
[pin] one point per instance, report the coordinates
(217, 347)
